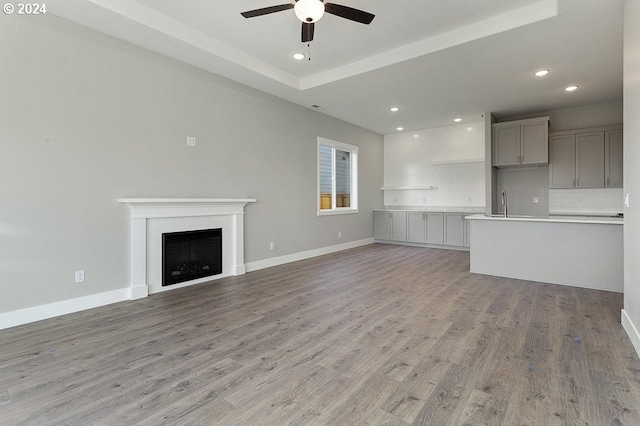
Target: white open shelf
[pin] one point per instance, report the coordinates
(407, 188)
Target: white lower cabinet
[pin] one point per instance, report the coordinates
(429, 228)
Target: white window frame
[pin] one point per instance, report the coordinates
(353, 150)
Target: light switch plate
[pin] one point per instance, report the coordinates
(191, 141)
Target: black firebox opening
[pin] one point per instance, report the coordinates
(190, 255)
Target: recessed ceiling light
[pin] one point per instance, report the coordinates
(541, 73)
(400, 129)
(298, 56)
(571, 88)
(457, 120)
(394, 109)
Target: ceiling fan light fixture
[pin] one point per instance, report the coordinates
(309, 11)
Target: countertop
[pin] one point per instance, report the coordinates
(552, 218)
(437, 209)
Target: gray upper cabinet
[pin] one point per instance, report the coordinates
(590, 160)
(535, 141)
(521, 142)
(613, 158)
(585, 158)
(506, 144)
(562, 161)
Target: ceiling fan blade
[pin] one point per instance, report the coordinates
(266, 10)
(349, 13)
(307, 32)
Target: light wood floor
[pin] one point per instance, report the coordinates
(376, 335)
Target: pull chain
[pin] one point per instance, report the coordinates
(309, 47)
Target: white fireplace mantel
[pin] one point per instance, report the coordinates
(150, 217)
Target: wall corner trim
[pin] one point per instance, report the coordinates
(631, 330)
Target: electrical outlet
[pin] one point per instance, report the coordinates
(272, 246)
(339, 234)
(191, 141)
(535, 200)
(79, 276)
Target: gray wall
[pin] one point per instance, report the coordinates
(86, 119)
(598, 115)
(522, 184)
(631, 160)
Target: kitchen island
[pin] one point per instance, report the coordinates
(580, 251)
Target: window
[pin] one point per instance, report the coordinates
(337, 177)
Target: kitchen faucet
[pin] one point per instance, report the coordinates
(504, 202)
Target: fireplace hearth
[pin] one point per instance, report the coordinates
(191, 255)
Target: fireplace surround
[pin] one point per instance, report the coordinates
(150, 218)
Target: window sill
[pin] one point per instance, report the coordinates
(335, 212)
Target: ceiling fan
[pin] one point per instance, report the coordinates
(310, 12)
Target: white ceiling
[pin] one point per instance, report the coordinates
(434, 59)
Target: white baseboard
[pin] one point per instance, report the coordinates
(281, 260)
(631, 330)
(42, 312)
(51, 310)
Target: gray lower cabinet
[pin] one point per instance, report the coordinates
(467, 233)
(429, 228)
(454, 229)
(391, 226)
(425, 228)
